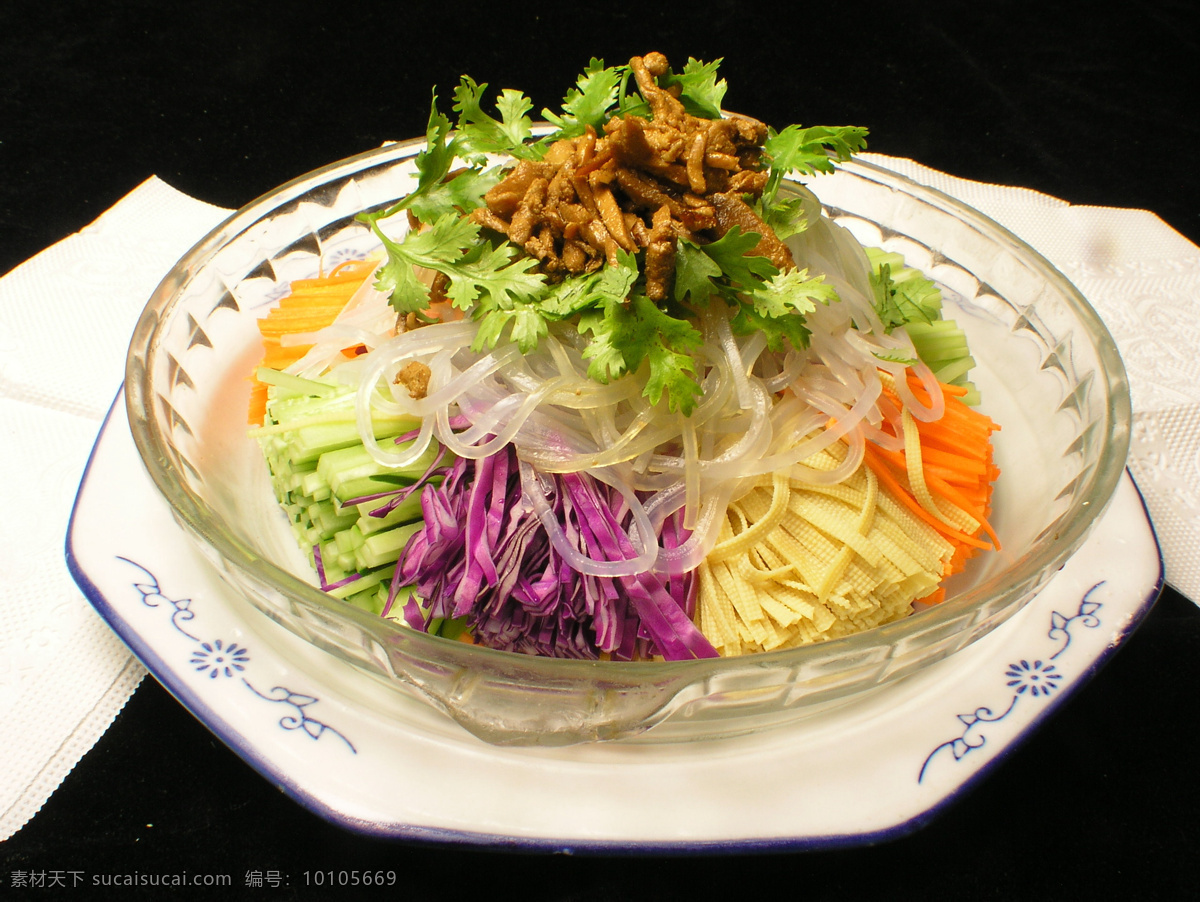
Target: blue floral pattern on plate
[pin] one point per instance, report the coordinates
(220, 658)
(1026, 678)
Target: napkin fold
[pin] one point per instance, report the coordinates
(65, 320)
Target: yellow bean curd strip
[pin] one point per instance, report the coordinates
(953, 516)
(825, 562)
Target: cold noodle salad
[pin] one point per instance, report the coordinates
(618, 388)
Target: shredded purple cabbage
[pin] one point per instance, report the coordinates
(484, 555)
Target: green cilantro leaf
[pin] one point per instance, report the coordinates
(788, 217)
(695, 272)
(449, 237)
(895, 356)
(625, 335)
(606, 325)
(778, 307)
(903, 302)
(528, 328)
(530, 313)
(792, 215)
(807, 150)
(480, 133)
(650, 325)
(615, 282)
(433, 163)
(441, 244)
(778, 330)
(630, 102)
(491, 330)
(915, 291)
(406, 293)
(700, 91)
(733, 252)
(479, 273)
(460, 194)
(791, 292)
(885, 298)
(608, 284)
(436, 194)
(491, 277)
(589, 102)
(570, 296)
(673, 373)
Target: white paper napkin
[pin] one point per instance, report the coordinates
(65, 320)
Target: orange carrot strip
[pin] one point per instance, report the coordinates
(258, 403)
(957, 465)
(882, 470)
(918, 387)
(953, 461)
(951, 494)
(310, 305)
(953, 466)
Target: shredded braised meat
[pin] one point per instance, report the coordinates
(415, 377)
(641, 186)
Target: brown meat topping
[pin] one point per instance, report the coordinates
(642, 185)
(415, 377)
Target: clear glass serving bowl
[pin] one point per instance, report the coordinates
(1048, 369)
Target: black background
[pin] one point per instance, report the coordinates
(1094, 104)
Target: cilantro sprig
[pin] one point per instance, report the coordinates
(482, 276)
(910, 299)
(805, 151)
(603, 91)
(590, 102)
(626, 333)
(764, 298)
(778, 308)
(480, 133)
(701, 92)
(437, 194)
(624, 330)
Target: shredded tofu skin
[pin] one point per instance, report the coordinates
(798, 563)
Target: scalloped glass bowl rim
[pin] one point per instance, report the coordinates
(195, 515)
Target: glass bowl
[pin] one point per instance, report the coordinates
(1048, 369)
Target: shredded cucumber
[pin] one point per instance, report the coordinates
(318, 467)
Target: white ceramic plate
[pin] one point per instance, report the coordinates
(875, 767)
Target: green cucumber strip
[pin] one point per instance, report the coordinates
(956, 370)
(406, 511)
(288, 385)
(403, 593)
(366, 583)
(349, 540)
(384, 547)
(352, 473)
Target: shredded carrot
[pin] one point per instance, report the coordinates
(956, 466)
(311, 304)
(899, 488)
